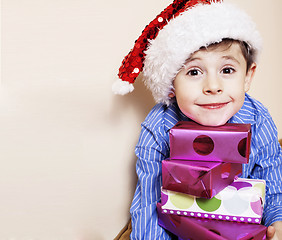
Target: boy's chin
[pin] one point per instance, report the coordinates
(211, 122)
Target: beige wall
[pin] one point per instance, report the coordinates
(66, 143)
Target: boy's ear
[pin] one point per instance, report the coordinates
(172, 93)
(249, 76)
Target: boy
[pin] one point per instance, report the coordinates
(199, 64)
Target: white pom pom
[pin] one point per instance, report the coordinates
(122, 87)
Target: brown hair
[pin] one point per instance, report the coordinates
(247, 51)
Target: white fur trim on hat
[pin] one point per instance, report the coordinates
(199, 26)
(122, 87)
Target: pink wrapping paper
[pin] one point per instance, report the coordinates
(202, 229)
(227, 143)
(202, 179)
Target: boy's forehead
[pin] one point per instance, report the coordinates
(231, 51)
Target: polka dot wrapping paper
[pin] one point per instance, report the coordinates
(198, 178)
(241, 201)
(227, 143)
(204, 229)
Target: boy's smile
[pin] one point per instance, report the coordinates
(211, 87)
(213, 105)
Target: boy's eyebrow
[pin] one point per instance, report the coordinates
(192, 59)
(231, 58)
(227, 57)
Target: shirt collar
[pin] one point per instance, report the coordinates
(175, 115)
(246, 114)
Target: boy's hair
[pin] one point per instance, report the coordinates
(246, 50)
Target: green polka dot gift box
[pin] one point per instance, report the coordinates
(207, 229)
(241, 201)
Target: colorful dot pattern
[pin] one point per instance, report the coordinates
(231, 204)
(214, 216)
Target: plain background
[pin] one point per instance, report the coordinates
(66, 142)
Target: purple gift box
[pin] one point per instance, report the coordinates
(202, 229)
(198, 178)
(227, 143)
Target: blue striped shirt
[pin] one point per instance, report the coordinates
(153, 146)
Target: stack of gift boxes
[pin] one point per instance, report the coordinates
(202, 195)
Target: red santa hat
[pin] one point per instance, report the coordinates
(177, 32)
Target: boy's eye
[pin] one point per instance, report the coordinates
(193, 72)
(227, 70)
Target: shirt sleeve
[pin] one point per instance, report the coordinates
(268, 166)
(150, 150)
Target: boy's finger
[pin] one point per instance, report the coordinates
(270, 232)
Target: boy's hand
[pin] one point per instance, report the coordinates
(270, 233)
(274, 232)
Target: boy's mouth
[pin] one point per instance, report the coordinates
(213, 105)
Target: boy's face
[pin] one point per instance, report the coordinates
(211, 87)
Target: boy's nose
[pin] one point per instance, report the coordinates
(212, 86)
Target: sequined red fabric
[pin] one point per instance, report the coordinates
(132, 64)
